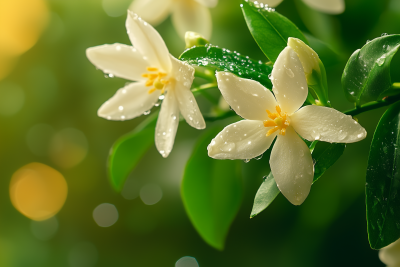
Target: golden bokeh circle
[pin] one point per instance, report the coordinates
(38, 191)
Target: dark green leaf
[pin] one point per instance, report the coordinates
(270, 29)
(382, 186)
(225, 60)
(367, 73)
(128, 150)
(324, 157)
(211, 192)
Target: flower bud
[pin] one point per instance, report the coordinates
(195, 39)
(313, 69)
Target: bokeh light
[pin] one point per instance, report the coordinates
(44, 230)
(68, 148)
(116, 8)
(150, 194)
(105, 215)
(38, 191)
(21, 23)
(187, 262)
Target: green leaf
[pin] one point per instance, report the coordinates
(324, 157)
(267, 192)
(270, 29)
(211, 192)
(127, 151)
(382, 186)
(225, 60)
(367, 73)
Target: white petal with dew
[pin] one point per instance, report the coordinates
(326, 124)
(129, 102)
(308, 57)
(292, 166)
(271, 3)
(119, 60)
(208, 3)
(152, 11)
(248, 98)
(327, 6)
(245, 139)
(390, 255)
(167, 124)
(191, 16)
(148, 41)
(184, 75)
(289, 81)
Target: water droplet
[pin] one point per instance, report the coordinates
(147, 112)
(381, 60)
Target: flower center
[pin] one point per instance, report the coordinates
(155, 79)
(278, 120)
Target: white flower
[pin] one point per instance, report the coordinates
(390, 255)
(187, 15)
(158, 75)
(326, 6)
(268, 116)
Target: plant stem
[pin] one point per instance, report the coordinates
(202, 90)
(222, 116)
(373, 105)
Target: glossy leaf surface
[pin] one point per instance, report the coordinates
(270, 29)
(367, 73)
(127, 151)
(382, 186)
(323, 158)
(225, 60)
(211, 192)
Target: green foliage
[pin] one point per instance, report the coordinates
(224, 60)
(367, 73)
(127, 151)
(323, 157)
(211, 192)
(270, 29)
(383, 181)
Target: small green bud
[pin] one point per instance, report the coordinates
(195, 39)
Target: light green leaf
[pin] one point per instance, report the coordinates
(267, 192)
(211, 192)
(127, 151)
(367, 73)
(382, 186)
(270, 29)
(225, 60)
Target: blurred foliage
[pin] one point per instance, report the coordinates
(51, 97)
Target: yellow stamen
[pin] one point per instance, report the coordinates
(278, 120)
(152, 69)
(152, 90)
(149, 83)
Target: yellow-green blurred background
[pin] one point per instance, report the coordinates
(49, 96)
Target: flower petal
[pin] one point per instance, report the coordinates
(244, 139)
(167, 124)
(271, 3)
(292, 166)
(326, 124)
(191, 16)
(184, 75)
(390, 255)
(248, 98)
(152, 11)
(208, 3)
(129, 102)
(327, 6)
(118, 59)
(289, 81)
(148, 41)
